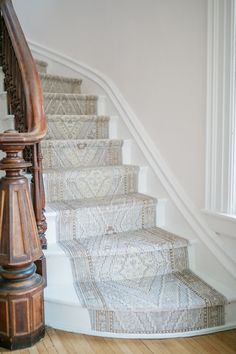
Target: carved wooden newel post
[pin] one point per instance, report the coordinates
(21, 289)
(21, 223)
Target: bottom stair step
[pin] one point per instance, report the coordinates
(176, 304)
(117, 293)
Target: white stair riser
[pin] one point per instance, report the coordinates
(61, 316)
(69, 154)
(3, 104)
(90, 183)
(135, 266)
(8, 123)
(69, 104)
(51, 227)
(230, 313)
(77, 127)
(1, 81)
(64, 276)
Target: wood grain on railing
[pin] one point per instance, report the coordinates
(25, 101)
(22, 224)
(27, 77)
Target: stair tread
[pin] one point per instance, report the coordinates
(123, 200)
(143, 240)
(75, 117)
(89, 182)
(87, 169)
(60, 77)
(70, 103)
(71, 96)
(166, 292)
(154, 238)
(139, 298)
(81, 152)
(77, 127)
(51, 142)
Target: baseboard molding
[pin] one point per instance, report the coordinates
(55, 308)
(179, 197)
(75, 329)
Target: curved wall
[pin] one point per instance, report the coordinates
(155, 53)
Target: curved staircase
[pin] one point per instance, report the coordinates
(111, 270)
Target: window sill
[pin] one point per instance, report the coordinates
(222, 224)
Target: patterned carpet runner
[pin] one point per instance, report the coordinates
(132, 276)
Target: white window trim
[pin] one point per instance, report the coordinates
(221, 104)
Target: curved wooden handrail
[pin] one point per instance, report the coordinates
(22, 221)
(25, 102)
(35, 116)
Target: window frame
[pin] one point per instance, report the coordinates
(220, 193)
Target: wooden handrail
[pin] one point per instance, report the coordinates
(35, 116)
(25, 101)
(22, 223)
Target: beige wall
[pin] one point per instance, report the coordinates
(155, 53)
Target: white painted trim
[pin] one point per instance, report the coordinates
(63, 308)
(220, 154)
(191, 214)
(222, 224)
(222, 216)
(57, 310)
(75, 329)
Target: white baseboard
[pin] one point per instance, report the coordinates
(63, 316)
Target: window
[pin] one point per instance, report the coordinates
(221, 108)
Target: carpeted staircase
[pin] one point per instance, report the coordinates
(131, 276)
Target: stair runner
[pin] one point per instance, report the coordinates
(132, 276)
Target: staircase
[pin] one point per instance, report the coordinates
(111, 270)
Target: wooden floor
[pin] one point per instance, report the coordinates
(65, 342)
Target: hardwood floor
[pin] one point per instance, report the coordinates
(60, 342)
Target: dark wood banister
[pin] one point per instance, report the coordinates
(21, 221)
(35, 116)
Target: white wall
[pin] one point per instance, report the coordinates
(155, 53)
